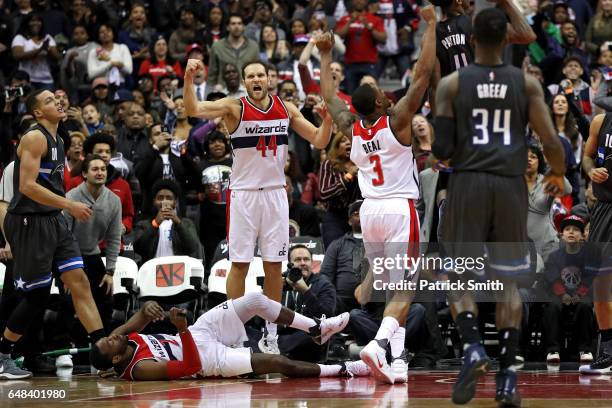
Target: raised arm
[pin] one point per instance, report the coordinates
(150, 312)
(317, 136)
(403, 111)
(443, 146)
(206, 109)
(519, 30)
(335, 106)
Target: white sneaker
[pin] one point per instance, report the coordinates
(400, 370)
(357, 368)
(586, 357)
(64, 361)
(553, 357)
(376, 358)
(328, 327)
(269, 344)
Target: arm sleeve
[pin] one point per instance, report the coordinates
(331, 183)
(323, 301)
(95, 67)
(113, 235)
(199, 134)
(603, 99)
(126, 58)
(330, 261)
(191, 363)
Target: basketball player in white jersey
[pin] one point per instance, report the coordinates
(213, 346)
(388, 181)
(257, 209)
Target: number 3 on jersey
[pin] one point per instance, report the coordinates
(380, 180)
(261, 145)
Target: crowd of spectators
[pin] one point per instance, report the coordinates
(117, 67)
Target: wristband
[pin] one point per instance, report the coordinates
(110, 272)
(154, 223)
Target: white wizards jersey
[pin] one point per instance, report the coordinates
(387, 169)
(259, 146)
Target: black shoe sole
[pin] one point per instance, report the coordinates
(464, 392)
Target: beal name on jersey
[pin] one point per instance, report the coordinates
(371, 147)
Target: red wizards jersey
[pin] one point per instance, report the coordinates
(157, 347)
(259, 146)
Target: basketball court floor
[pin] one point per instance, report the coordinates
(539, 388)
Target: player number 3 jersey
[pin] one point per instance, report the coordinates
(387, 169)
(157, 347)
(259, 146)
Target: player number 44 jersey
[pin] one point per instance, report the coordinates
(387, 169)
(259, 146)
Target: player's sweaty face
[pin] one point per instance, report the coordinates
(256, 81)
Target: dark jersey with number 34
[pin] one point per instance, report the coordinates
(491, 117)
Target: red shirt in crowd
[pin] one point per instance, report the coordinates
(159, 70)
(360, 44)
(311, 86)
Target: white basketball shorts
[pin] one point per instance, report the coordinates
(219, 335)
(258, 216)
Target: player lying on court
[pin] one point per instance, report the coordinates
(213, 345)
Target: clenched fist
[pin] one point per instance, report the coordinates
(429, 14)
(193, 66)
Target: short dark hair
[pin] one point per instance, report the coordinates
(235, 15)
(166, 184)
(286, 81)
(253, 63)
(215, 96)
(88, 159)
(32, 101)
(99, 360)
(490, 26)
(271, 67)
(21, 75)
(100, 137)
(364, 99)
(298, 246)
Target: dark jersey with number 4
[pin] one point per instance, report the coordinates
(453, 44)
(50, 176)
(491, 117)
(603, 191)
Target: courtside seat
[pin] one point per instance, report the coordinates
(124, 280)
(171, 279)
